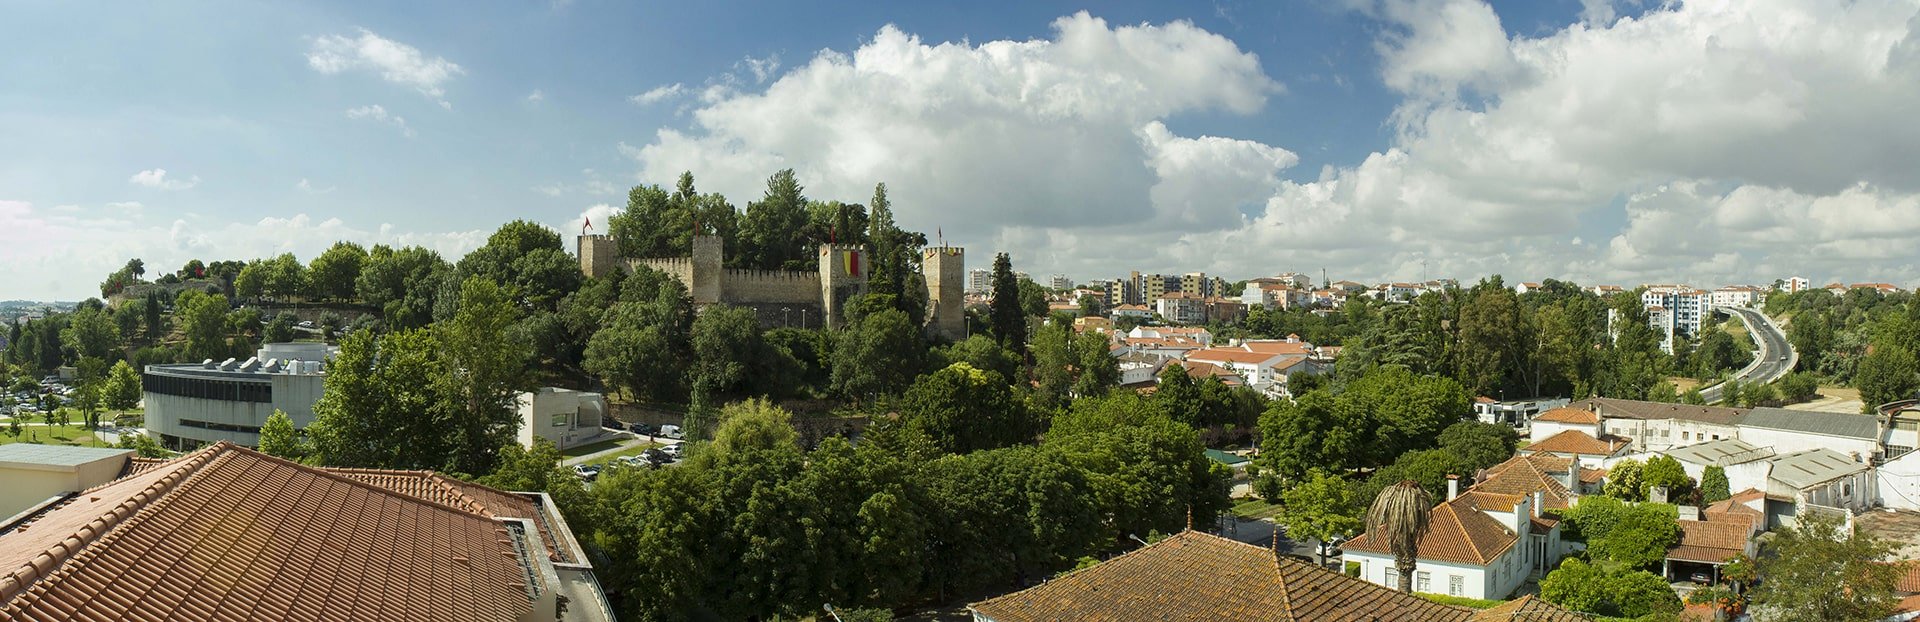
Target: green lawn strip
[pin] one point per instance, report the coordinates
(635, 450)
(592, 447)
(1256, 509)
(76, 435)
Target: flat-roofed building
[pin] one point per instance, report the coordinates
(190, 405)
(31, 473)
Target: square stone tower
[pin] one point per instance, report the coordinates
(598, 255)
(709, 251)
(945, 268)
(843, 275)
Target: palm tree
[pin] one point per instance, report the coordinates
(1399, 516)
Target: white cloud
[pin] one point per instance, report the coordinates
(536, 97)
(970, 138)
(597, 215)
(378, 114)
(591, 183)
(396, 62)
(1784, 126)
(157, 178)
(307, 187)
(658, 94)
(761, 68)
(119, 205)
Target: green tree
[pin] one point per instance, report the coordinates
(151, 316)
(1628, 535)
(1308, 432)
(1580, 586)
(1321, 507)
(1667, 473)
(279, 438)
(983, 353)
(402, 283)
(768, 233)
(384, 404)
(1713, 485)
(1493, 339)
(726, 347)
(1009, 320)
(121, 388)
(90, 333)
(1479, 445)
(540, 468)
(1798, 387)
(333, 273)
(1624, 481)
(964, 409)
(876, 356)
(1819, 570)
(486, 370)
(126, 317)
(141, 444)
(642, 343)
(279, 329)
(1888, 373)
(203, 319)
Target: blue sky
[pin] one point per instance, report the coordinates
(1242, 138)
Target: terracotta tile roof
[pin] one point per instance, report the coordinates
(1592, 476)
(1611, 408)
(1526, 609)
(1230, 355)
(1909, 581)
(230, 533)
(137, 465)
(1494, 501)
(1710, 541)
(1733, 510)
(431, 486)
(1270, 347)
(1910, 603)
(1194, 576)
(1565, 414)
(1578, 442)
(1522, 475)
(1456, 533)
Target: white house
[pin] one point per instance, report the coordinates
(1857, 436)
(566, 417)
(1478, 545)
(1658, 426)
(1736, 296)
(1745, 464)
(1817, 477)
(1899, 481)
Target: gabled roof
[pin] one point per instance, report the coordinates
(1723, 452)
(1230, 355)
(1712, 542)
(1611, 408)
(1456, 533)
(1578, 442)
(1846, 425)
(1193, 576)
(482, 500)
(1277, 347)
(230, 533)
(1523, 475)
(1565, 414)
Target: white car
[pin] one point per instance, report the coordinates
(670, 431)
(672, 451)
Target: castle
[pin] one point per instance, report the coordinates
(792, 297)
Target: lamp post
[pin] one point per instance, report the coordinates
(831, 612)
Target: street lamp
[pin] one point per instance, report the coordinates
(831, 612)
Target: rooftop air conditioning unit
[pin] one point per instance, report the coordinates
(226, 365)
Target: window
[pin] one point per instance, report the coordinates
(560, 420)
(1716, 437)
(1393, 578)
(1456, 584)
(1846, 489)
(1683, 435)
(1423, 581)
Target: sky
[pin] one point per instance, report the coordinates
(1619, 142)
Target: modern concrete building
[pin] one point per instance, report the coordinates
(32, 474)
(189, 405)
(979, 280)
(1675, 309)
(565, 417)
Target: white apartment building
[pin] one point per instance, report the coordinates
(1675, 309)
(979, 280)
(1798, 283)
(1059, 281)
(1736, 296)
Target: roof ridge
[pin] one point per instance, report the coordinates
(461, 494)
(44, 564)
(1115, 558)
(329, 473)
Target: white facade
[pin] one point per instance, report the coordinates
(1679, 309)
(1516, 413)
(1662, 434)
(1059, 281)
(979, 280)
(1735, 296)
(190, 405)
(1181, 309)
(1899, 481)
(1796, 283)
(565, 417)
(1790, 441)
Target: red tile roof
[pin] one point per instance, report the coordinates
(431, 486)
(1523, 475)
(1194, 576)
(1710, 541)
(1568, 415)
(1527, 608)
(1910, 577)
(230, 533)
(1230, 355)
(1578, 442)
(1456, 533)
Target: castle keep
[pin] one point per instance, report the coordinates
(793, 297)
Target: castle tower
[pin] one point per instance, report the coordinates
(945, 268)
(708, 253)
(843, 275)
(598, 255)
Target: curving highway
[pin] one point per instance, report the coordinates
(1776, 356)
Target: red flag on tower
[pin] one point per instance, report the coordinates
(588, 225)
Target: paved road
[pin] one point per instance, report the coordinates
(1776, 356)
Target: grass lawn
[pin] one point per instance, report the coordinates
(592, 447)
(1845, 393)
(76, 435)
(1681, 384)
(633, 450)
(1256, 509)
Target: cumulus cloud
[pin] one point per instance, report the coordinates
(658, 94)
(972, 138)
(378, 114)
(536, 97)
(157, 178)
(1784, 126)
(396, 62)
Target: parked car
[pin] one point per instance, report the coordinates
(634, 461)
(587, 472)
(672, 451)
(656, 456)
(1700, 578)
(641, 428)
(670, 431)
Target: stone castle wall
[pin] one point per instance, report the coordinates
(739, 286)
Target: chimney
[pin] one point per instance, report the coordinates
(1453, 486)
(1521, 512)
(1573, 474)
(1657, 494)
(1539, 501)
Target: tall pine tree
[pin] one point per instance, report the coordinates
(1009, 321)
